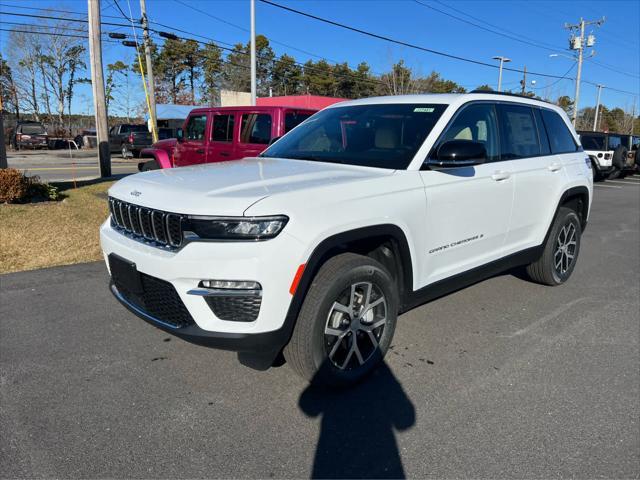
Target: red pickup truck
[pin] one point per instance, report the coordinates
(222, 133)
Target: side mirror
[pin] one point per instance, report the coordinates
(459, 153)
(180, 135)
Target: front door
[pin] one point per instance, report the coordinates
(223, 134)
(468, 208)
(192, 150)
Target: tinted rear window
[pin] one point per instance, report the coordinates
(592, 142)
(519, 133)
(133, 128)
(256, 128)
(33, 129)
(293, 119)
(614, 141)
(560, 137)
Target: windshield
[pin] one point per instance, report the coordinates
(384, 136)
(33, 129)
(592, 142)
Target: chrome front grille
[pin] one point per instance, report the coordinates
(162, 229)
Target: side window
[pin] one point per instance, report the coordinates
(560, 137)
(293, 119)
(223, 128)
(256, 128)
(476, 122)
(196, 127)
(614, 142)
(545, 147)
(519, 137)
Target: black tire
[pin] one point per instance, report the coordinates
(124, 151)
(637, 158)
(619, 157)
(150, 165)
(545, 270)
(615, 173)
(597, 176)
(324, 336)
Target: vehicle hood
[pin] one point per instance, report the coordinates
(230, 188)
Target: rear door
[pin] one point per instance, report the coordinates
(539, 169)
(256, 131)
(222, 144)
(192, 150)
(468, 208)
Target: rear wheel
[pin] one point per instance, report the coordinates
(560, 252)
(124, 151)
(346, 323)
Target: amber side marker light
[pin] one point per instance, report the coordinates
(296, 279)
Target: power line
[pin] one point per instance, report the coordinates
(49, 17)
(246, 30)
(564, 77)
(51, 34)
(401, 42)
(506, 35)
(47, 10)
(129, 19)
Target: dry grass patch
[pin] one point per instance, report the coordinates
(46, 234)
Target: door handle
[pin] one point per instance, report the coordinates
(200, 150)
(224, 154)
(554, 167)
(500, 175)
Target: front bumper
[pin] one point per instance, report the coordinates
(272, 263)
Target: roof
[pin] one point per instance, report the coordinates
(455, 99)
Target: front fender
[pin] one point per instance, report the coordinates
(160, 156)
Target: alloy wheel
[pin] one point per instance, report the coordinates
(565, 252)
(355, 324)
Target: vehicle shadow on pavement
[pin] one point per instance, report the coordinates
(357, 432)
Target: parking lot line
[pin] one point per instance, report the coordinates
(622, 182)
(606, 186)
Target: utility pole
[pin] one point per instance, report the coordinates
(523, 82)
(152, 86)
(3, 148)
(253, 52)
(595, 117)
(578, 43)
(503, 60)
(97, 84)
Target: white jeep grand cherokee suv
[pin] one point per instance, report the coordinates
(364, 211)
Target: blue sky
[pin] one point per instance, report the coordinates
(617, 41)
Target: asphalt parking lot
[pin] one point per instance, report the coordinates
(503, 379)
(66, 165)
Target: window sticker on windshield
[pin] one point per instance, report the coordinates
(423, 109)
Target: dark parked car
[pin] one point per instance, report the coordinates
(129, 139)
(29, 135)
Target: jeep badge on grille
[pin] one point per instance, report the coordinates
(136, 193)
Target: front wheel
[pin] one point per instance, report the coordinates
(560, 252)
(124, 151)
(346, 323)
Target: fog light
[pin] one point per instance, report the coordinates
(231, 284)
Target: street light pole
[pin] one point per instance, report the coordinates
(503, 60)
(253, 52)
(595, 117)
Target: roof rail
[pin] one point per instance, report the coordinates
(510, 94)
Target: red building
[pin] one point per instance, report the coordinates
(302, 101)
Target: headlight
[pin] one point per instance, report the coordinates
(236, 228)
